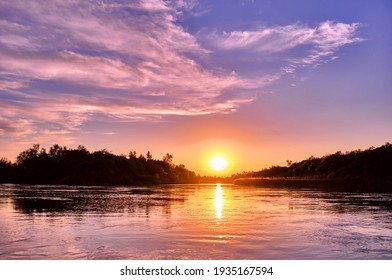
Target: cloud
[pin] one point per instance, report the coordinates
(66, 61)
(136, 47)
(4, 84)
(317, 43)
(15, 127)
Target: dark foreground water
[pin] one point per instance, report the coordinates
(192, 222)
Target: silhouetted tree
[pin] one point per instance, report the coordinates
(370, 168)
(60, 165)
(5, 170)
(78, 166)
(168, 158)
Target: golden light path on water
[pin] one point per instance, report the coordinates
(218, 201)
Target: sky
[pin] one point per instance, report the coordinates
(258, 82)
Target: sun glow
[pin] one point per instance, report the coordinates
(218, 163)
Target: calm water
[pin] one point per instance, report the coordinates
(192, 222)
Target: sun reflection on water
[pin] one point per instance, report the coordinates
(218, 201)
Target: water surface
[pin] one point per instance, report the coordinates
(192, 222)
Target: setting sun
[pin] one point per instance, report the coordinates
(218, 163)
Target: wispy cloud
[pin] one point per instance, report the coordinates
(139, 49)
(15, 127)
(319, 42)
(63, 61)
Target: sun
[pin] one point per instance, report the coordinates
(218, 163)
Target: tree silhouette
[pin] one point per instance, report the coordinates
(370, 169)
(78, 166)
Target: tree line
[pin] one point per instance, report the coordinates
(373, 165)
(61, 165)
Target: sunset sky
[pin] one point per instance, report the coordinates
(258, 82)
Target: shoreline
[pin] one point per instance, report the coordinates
(336, 184)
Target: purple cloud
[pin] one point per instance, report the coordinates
(322, 41)
(131, 61)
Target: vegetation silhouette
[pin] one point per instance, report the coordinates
(368, 170)
(61, 165)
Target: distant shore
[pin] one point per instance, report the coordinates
(363, 171)
(336, 184)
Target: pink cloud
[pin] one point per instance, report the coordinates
(150, 55)
(131, 61)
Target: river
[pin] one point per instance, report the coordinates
(192, 222)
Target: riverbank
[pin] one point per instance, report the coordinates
(344, 184)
